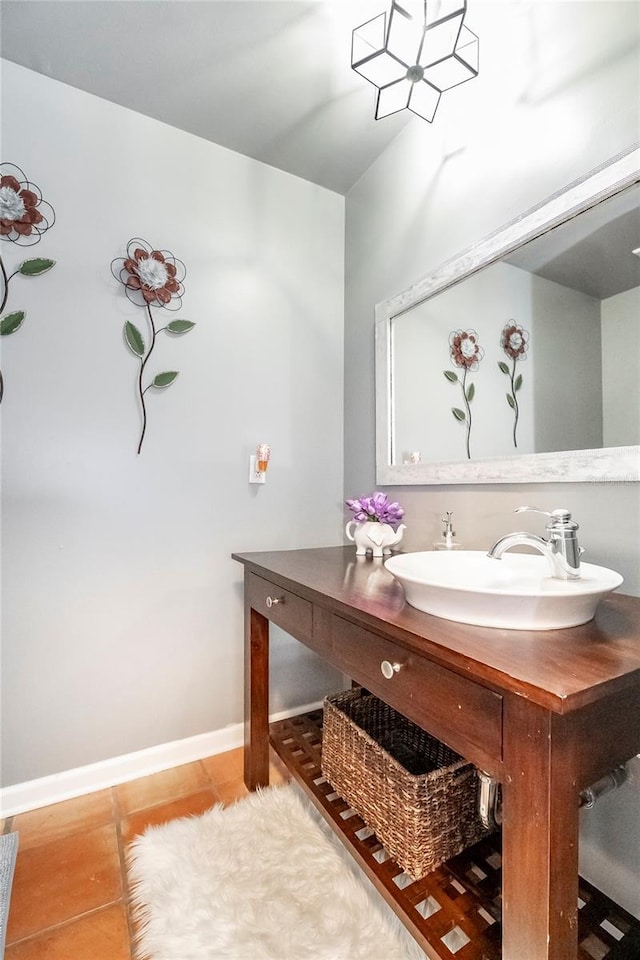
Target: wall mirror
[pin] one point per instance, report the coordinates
(519, 360)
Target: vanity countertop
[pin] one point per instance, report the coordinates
(561, 670)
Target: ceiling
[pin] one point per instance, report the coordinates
(272, 79)
(268, 79)
(592, 253)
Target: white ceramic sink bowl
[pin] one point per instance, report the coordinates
(515, 593)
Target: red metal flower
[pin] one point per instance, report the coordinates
(24, 215)
(464, 349)
(513, 341)
(151, 277)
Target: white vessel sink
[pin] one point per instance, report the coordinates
(515, 593)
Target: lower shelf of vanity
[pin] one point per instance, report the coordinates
(455, 912)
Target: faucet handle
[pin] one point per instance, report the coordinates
(560, 518)
(559, 514)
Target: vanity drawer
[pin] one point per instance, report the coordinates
(460, 712)
(282, 607)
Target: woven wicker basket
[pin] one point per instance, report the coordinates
(418, 795)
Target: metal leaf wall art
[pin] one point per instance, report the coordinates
(24, 218)
(151, 278)
(466, 353)
(514, 340)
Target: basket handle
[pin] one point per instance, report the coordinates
(465, 772)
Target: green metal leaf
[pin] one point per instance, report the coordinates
(518, 382)
(451, 376)
(503, 367)
(35, 266)
(180, 326)
(134, 339)
(511, 401)
(471, 390)
(11, 322)
(458, 414)
(164, 379)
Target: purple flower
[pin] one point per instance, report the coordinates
(376, 507)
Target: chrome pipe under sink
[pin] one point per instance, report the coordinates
(490, 794)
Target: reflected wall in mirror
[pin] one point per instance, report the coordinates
(520, 359)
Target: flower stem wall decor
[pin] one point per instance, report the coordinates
(514, 341)
(466, 354)
(150, 278)
(24, 218)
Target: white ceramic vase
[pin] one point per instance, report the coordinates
(370, 536)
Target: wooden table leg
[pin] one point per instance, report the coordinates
(540, 837)
(256, 699)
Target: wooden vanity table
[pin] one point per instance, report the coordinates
(546, 713)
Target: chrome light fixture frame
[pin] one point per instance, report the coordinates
(415, 52)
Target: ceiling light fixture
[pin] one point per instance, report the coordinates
(414, 53)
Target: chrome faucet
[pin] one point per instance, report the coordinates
(560, 548)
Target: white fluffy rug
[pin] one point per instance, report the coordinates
(264, 879)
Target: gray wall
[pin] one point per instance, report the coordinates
(568, 377)
(435, 191)
(122, 609)
(621, 367)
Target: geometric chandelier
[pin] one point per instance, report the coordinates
(414, 53)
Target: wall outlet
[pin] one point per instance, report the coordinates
(255, 476)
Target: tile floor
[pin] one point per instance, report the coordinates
(70, 899)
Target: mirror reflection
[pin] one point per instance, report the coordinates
(519, 359)
(537, 353)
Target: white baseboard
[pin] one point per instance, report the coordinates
(21, 797)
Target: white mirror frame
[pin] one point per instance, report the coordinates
(610, 464)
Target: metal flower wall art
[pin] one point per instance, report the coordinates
(466, 354)
(24, 218)
(151, 278)
(514, 340)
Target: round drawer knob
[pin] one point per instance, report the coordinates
(389, 669)
(272, 601)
